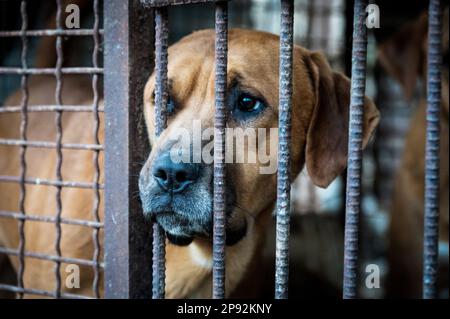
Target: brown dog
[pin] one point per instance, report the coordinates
(404, 56)
(179, 195)
(41, 200)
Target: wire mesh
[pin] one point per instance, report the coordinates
(24, 109)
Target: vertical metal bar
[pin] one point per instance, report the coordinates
(128, 63)
(161, 97)
(432, 165)
(220, 121)
(354, 162)
(59, 133)
(96, 163)
(309, 27)
(23, 149)
(284, 150)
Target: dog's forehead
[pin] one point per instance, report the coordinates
(253, 60)
(253, 65)
(202, 43)
(248, 51)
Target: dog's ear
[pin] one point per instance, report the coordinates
(327, 137)
(402, 55)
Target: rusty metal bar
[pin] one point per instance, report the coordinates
(284, 151)
(128, 64)
(59, 136)
(50, 108)
(24, 71)
(165, 3)
(95, 159)
(161, 97)
(58, 259)
(38, 292)
(220, 121)
(47, 182)
(51, 32)
(43, 144)
(50, 219)
(354, 162)
(432, 153)
(49, 71)
(23, 149)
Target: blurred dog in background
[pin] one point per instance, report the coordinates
(404, 56)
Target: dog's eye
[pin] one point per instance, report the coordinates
(248, 103)
(170, 105)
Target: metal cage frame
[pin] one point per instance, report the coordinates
(129, 32)
(58, 108)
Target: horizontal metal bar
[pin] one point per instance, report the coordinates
(44, 144)
(50, 108)
(40, 33)
(46, 182)
(39, 292)
(323, 10)
(164, 3)
(50, 219)
(50, 71)
(67, 260)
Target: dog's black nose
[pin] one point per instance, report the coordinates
(172, 176)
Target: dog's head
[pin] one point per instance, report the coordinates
(404, 56)
(178, 194)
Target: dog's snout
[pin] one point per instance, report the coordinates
(174, 177)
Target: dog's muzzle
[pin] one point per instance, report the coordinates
(178, 196)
